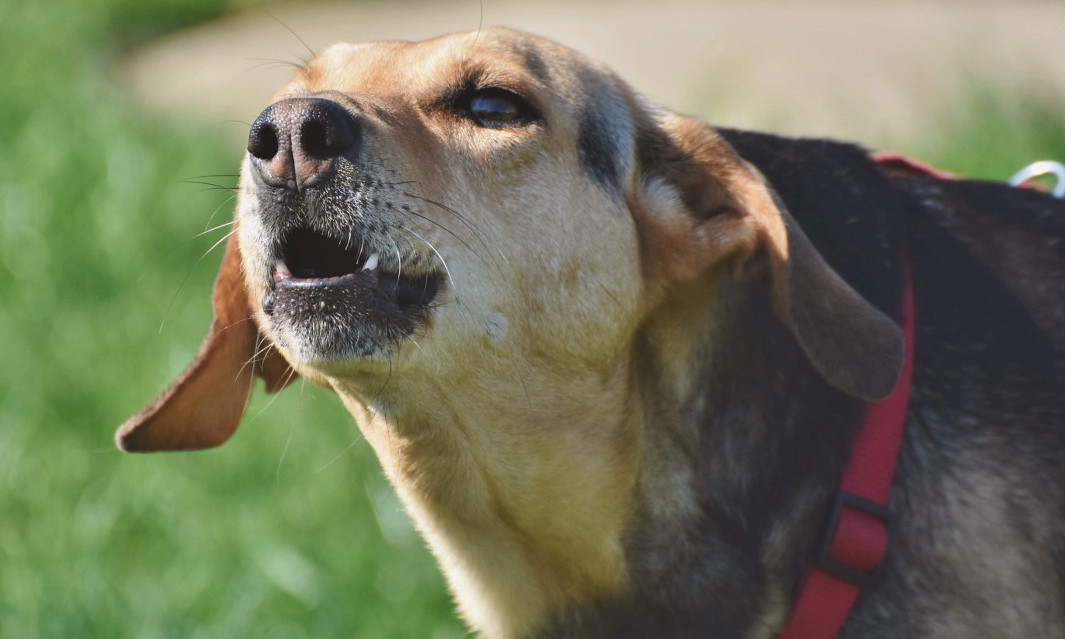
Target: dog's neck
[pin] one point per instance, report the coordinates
(560, 513)
(720, 515)
(523, 496)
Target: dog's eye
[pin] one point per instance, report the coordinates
(498, 107)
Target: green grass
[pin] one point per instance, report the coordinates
(990, 135)
(288, 531)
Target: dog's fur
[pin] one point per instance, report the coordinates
(622, 402)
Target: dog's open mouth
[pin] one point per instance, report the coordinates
(346, 297)
(310, 259)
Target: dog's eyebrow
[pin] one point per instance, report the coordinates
(478, 74)
(534, 62)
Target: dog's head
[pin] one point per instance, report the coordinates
(413, 213)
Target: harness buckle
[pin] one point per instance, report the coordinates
(859, 530)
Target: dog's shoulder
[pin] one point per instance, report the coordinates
(986, 432)
(851, 213)
(977, 245)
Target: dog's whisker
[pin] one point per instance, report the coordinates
(388, 378)
(262, 347)
(480, 237)
(291, 430)
(399, 260)
(338, 457)
(260, 354)
(443, 227)
(182, 243)
(201, 179)
(273, 62)
(291, 31)
(188, 274)
(211, 186)
(218, 208)
(374, 415)
(443, 262)
(216, 245)
(290, 374)
(284, 453)
(214, 228)
(447, 209)
(268, 404)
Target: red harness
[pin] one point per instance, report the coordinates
(856, 537)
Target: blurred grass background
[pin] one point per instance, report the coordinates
(292, 532)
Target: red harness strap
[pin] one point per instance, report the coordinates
(856, 537)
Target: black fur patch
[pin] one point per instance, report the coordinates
(598, 151)
(534, 62)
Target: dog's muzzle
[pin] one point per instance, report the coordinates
(337, 285)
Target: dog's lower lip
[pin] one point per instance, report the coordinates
(365, 277)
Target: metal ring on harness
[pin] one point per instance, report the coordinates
(1039, 169)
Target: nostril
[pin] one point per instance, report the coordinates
(263, 142)
(328, 131)
(316, 140)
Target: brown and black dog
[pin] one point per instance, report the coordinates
(613, 359)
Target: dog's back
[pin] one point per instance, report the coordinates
(979, 548)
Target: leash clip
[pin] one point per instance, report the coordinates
(1039, 169)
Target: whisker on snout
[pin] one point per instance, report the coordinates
(461, 218)
(274, 62)
(188, 274)
(224, 204)
(443, 262)
(215, 228)
(262, 347)
(220, 242)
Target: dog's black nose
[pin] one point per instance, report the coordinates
(294, 143)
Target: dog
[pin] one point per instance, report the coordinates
(614, 360)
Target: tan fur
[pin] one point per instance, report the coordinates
(483, 444)
(512, 427)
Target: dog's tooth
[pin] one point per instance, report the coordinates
(371, 263)
(282, 268)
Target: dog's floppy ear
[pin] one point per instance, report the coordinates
(204, 405)
(699, 205)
